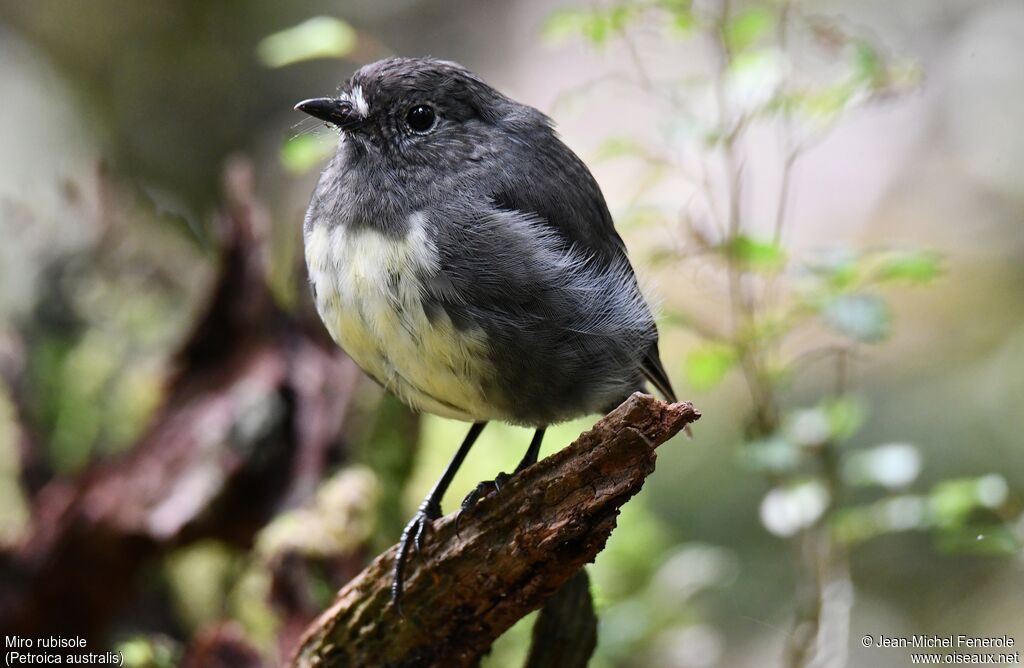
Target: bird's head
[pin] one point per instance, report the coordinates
(422, 111)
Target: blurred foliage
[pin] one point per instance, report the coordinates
(386, 450)
(339, 520)
(149, 652)
(94, 361)
(303, 152)
(824, 494)
(318, 37)
(14, 519)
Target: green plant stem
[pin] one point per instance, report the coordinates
(742, 309)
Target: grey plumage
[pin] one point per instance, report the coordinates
(466, 259)
(528, 251)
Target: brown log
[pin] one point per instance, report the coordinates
(511, 554)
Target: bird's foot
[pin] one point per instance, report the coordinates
(479, 492)
(412, 537)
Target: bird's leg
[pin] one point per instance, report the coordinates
(429, 511)
(532, 452)
(481, 490)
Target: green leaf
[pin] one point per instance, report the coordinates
(618, 147)
(594, 25)
(566, 24)
(756, 254)
(682, 20)
(712, 138)
(676, 6)
(908, 266)
(318, 37)
(855, 525)
(302, 153)
(148, 652)
(869, 65)
(862, 317)
(829, 422)
(825, 104)
(900, 512)
(838, 268)
(708, 364)
(952, 502)
(747, 27)
(985, 540)
(845, 417)
(755, 78)
(684, 23)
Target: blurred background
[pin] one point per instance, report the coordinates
(823, 197)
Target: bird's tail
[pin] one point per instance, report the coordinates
(654, 372)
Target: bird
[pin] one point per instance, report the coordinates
(465, 258)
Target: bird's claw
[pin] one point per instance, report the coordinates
(412, 535)
(421, 530)
(480, 491)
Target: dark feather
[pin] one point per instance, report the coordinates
(564, 195)
(655, 374)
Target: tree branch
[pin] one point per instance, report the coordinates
(511, 554)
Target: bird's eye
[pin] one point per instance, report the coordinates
(420, 118)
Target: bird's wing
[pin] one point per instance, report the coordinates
(556, 187)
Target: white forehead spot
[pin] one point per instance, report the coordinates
(358, 101)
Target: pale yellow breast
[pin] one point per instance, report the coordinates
(368, 293)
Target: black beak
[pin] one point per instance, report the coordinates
(331, 110)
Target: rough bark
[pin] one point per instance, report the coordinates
(514, 551)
